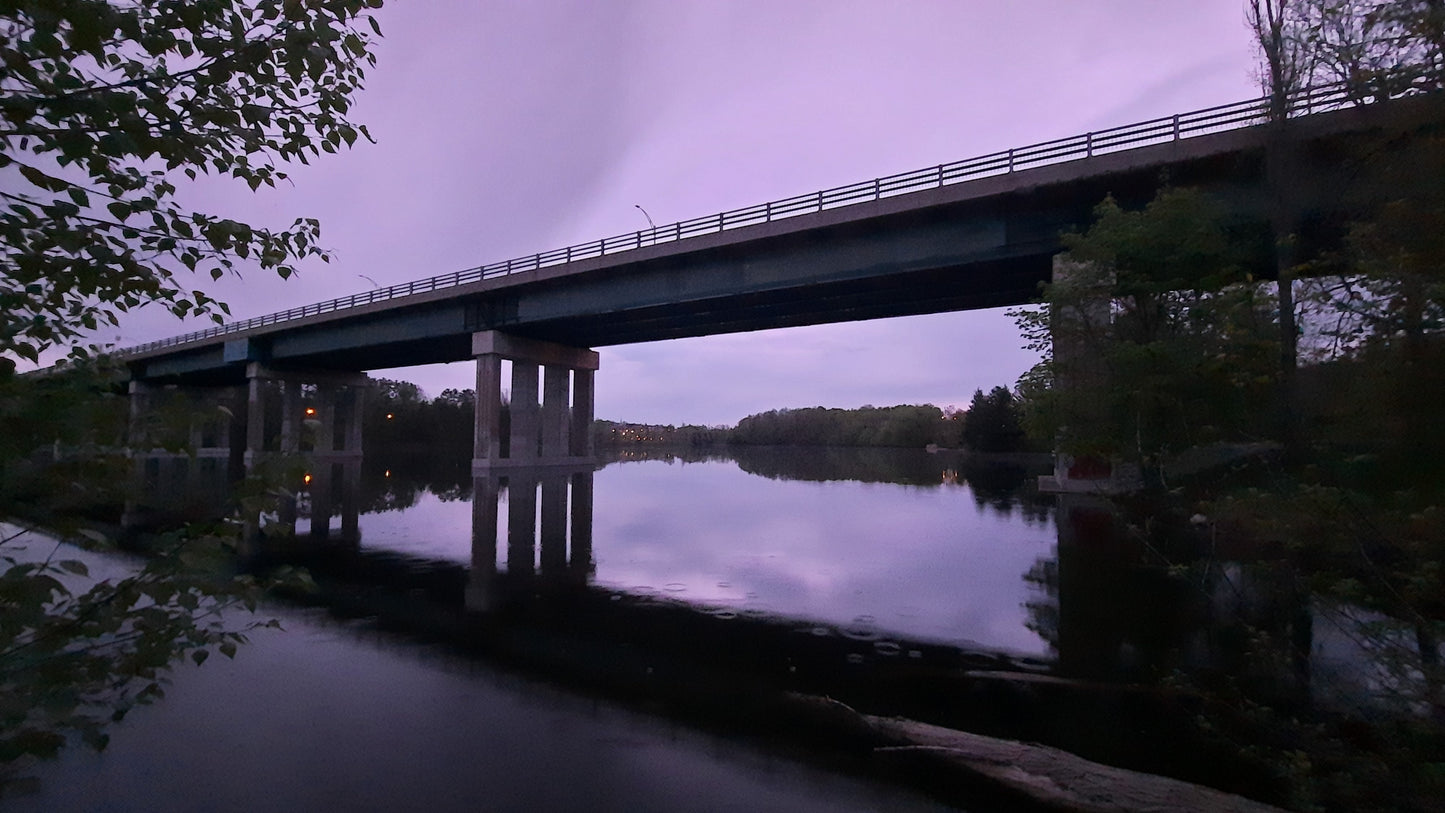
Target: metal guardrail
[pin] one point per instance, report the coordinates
(1169, 128)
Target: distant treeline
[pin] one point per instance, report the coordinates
(399, 416)
(990, 424)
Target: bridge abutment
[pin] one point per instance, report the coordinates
(549, 430)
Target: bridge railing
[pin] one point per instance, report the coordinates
(1130, 136)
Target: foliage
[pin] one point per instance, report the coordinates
(993, 422)
(903, 425)
(77, 653)
(1154, 339)
(103, 107)
(1377, 47)
(103, 103)
(400, 417)
(1157, 340)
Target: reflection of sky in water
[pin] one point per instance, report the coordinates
(917, 562)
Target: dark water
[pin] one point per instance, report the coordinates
(491, 642)
(892, 555)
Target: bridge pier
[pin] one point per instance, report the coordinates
(549, 431)
(326, 398)
(1079, 370)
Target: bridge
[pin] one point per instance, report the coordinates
(977, 233)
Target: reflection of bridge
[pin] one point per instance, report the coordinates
(973, 234)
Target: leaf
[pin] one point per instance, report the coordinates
(74, 566)
(200, 655)
(42, 180)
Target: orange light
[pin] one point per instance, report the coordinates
(389, 416)
(310, 410)
(306, 479)
(388, 472)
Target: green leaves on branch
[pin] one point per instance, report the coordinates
(102, 103)
(1154, 335)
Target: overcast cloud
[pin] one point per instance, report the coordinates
(506, 128)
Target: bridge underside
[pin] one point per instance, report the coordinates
(987, 243)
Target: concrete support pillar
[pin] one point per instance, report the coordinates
(255, 413)
(354, 440)
(550, 432)
(582, 407)
(327, 397)
(200, 418)
(525, 412)
(290, 416)
(487, 436)
(554, 412)
(1080, 372)
(141, 395)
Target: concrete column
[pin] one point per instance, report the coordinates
(290, 416)
(487, 434)
(524, 411)
(255, 414)
(521, 524)
(355, 441)
(554, 412)
(198, 417)
(582, 397)
(141, 394)
(236, 434)
(554, 524)
(551, 425)
(327, 396)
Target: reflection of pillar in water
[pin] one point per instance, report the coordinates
(554, 524)
(580, 559)
(351, 501)
(482, 578)
(320, 487)
(565, 547)
(521, 522)
(1092, 586)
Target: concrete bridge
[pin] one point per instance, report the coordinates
(977, 233)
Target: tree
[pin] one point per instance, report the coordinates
(992, 423)
(104, 106)
(1155, 340)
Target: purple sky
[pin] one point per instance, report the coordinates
(506, 128)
